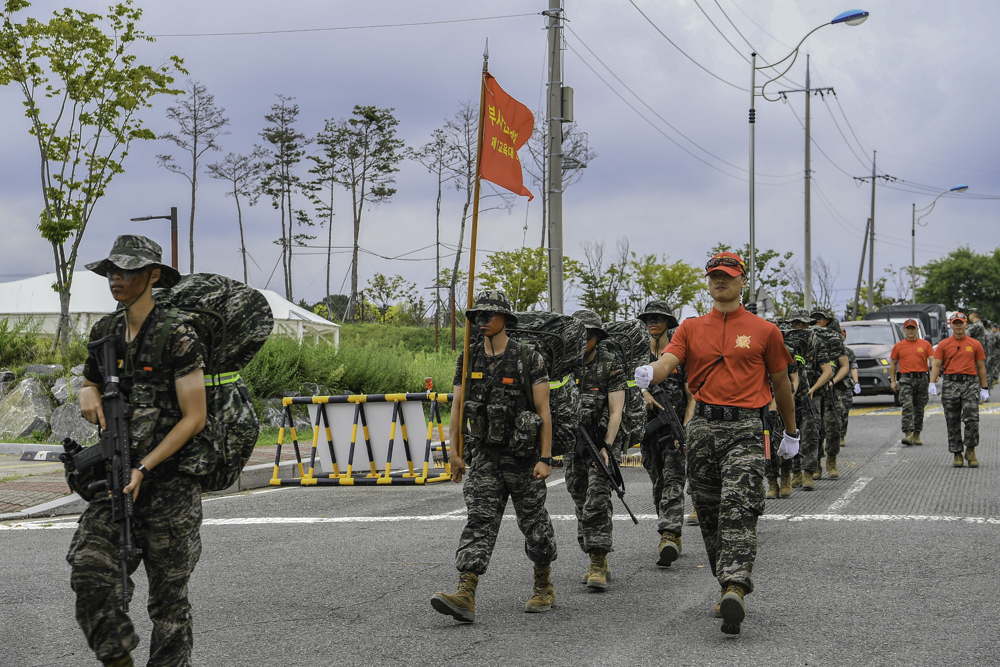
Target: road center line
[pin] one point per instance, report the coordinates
(843, 501)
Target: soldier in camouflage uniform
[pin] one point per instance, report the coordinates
(730, 354)
(908, 360)
(828, 331)
(602, 391)
(509, 446)
(167, 508)
(977, 330)
(846, 389)
(816, 371)
(963, 361)
(661, 456)
(779, 470)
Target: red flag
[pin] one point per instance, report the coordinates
(507, 126)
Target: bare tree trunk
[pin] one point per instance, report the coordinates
(354, 256)
(194, 188)
(243, 243)
(329, 256)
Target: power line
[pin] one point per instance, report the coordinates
(351, 27)
(818, 147)
(752, 47)
(750, 18)
(843, 136)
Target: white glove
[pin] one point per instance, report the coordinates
(643, 376)
(932, 388)
(984, 395)
(789, 446)
(857, 388)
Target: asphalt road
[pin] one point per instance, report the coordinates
(893, 564)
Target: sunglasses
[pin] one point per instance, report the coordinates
(725, 261)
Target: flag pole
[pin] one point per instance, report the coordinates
(472, 250)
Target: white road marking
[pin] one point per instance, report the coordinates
(252, 493)
(845, 499)
(561, 480)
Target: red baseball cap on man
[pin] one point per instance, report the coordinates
(910, 323)
(958, 317)
(728, 262)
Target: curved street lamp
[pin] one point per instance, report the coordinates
(962, 187)
(851, 17)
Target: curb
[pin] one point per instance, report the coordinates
(19, 448)
(252, 477)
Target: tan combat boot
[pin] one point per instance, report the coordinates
(599, 571)
(462, 605)
(670, 548)
(772, 489)
(842, 441)
(692, 518)
(797, 479)
(124, 661)
(818, 472)
(785, 489)
(970, 456)
(543, 593)
(907, 437)
(807, 480)
(831, 466)
(915, 438)
(733, 609)
(717, 609)
(959, 461)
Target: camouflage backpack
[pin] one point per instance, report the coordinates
(630, 340)
(562, 342)
(233, 321)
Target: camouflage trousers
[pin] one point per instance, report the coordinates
(808, 456)
(591, 493)
(913, 397)
(666, 469)
(167, 526)
(960, 400)
(726, 475)
(486, 491)
(828, 410)
(777, 465)
(845, 401)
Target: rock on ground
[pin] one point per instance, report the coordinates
(25, 410)
(68, 422)
(66, 387)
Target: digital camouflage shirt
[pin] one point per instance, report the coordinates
(603, 375)
(155, 408)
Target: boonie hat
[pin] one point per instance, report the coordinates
(592, 322)
(729, 262)
(661, 308)
(132, 252)
(492, 301)
(819, 312)
(909, 323)
(801, 315)
(958, 317)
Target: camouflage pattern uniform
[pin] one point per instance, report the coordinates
(496, 474)
(960, 400)
(832, 344)
(844, 391)
(978, 331)
(168, 511)
(811, 356)
(587, 485)
(776, 425)
(913, 397)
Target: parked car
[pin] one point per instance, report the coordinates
(872, 342)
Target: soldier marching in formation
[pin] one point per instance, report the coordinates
(910, 358)
(963, 361)
(828, 332)
(846, 389)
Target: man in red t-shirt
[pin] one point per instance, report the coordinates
(909, 357)
(730, 355)
(963, 361)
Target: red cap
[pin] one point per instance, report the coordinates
(910, 323)
(958, 317)
(729, 262)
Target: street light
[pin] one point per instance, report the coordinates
(913, 234)
(173, 231)
(851, 17)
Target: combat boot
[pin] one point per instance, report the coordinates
(692, 518)
(124, 661)
(807, 480)
(543, 593)
(462, 605)
(915, 438)
(599, 570)
(970, 456)
(818, 472)
(842, 441)
(797, 479)
(959, 461)
(670, 548)
(717, 609)
(733, 609)
(907, 437)
(772, 489)
(785, 489)
(831, 466)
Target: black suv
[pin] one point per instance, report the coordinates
(872, 342)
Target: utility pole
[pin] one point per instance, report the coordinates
(861, 271)
(871, 235)
(807, 255)
(554, 172)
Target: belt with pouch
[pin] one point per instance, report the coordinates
(959, 377)
(727, 413)
(915, 373)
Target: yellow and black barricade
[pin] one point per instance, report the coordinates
(379, 470)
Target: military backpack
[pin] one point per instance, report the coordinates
(630, 341)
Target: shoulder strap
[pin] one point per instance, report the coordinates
(525, 379)
(161, 341)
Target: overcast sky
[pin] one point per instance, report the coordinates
(916, 82)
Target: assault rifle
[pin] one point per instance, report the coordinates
(614, 476)
(111, 453)
(665, 417)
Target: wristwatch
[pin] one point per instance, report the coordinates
(547, 460)
(793, 435)
(143, 469)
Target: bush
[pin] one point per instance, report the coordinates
(415, 339)
(19, 341)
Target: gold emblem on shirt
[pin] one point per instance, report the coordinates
(743, 341)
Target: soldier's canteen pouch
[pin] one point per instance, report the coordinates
(527, 427)
(496, 435)
(475, 413)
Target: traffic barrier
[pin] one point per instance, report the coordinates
(380, 468)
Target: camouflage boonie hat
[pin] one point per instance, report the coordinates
(131, 252)
(802, 315)
(819, 312)
(492, 301)
(592, 322)
(657, 307)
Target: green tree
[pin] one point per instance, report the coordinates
(83, 90)
(879, 298)
(386, 292)
(963, 279)
(677, 283)
(602, 286)
(523, 275)
(242, 173)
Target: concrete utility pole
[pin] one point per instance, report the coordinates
(807, 255)
(861, 271)
(554, 176)
(871, 234)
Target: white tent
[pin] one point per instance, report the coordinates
(90, 300)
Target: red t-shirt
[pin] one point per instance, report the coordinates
(959, 357)
(751, 348)
(912, 355)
